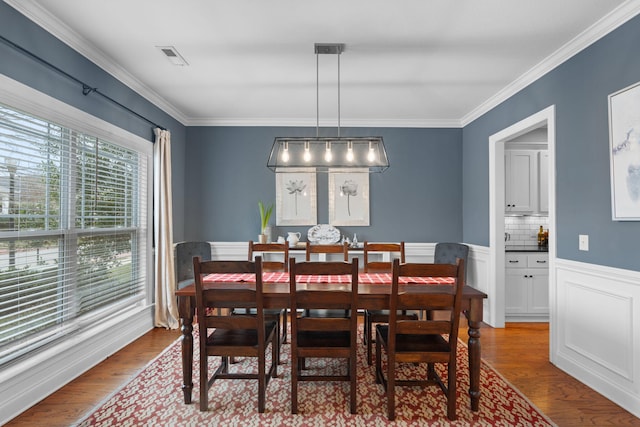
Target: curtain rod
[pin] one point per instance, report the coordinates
(86, 89)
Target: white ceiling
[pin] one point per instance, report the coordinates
(251, 62)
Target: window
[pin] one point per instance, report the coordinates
(73, 230)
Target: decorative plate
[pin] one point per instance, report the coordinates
(323, 234)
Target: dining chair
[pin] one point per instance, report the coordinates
(327, 249)
(184, 253)
(323, 337)
(390, 250)
(280, 251)
(420, 341)
(278, 254)
(246, 335)
(449, 253)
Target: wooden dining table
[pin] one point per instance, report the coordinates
(373, 294)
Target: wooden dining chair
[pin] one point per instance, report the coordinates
(269, 251)
(246, 335)
(419, 341)
(324, 337)
(278, 254)
(373, 265)
(327, 249)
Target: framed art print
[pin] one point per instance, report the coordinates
(296, 197)
(624, 152)
(349, 197)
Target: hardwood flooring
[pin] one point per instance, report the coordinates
(520, 352)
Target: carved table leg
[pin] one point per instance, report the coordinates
(187, 360)
(474, 353)
(186, 306)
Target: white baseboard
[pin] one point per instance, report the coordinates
(25, 383)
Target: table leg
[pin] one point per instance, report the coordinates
(474, 320)
(186, 317)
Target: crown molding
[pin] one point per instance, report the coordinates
(60, 30)
(32, 10)
(604, 26)
(373, 123)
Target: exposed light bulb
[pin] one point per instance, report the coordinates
(285, 152)
(371, 156)
(307, 154)
(328, 156)
(350, 151)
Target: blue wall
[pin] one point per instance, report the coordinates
(18, 29)
(418, 199)
(579, 88)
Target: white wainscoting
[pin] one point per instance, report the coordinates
(596, 328)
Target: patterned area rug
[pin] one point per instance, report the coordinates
(154, 398)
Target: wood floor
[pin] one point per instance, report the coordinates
(519, 352)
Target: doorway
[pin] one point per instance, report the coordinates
(496, 288)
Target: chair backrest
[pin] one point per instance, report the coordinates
(448, 253)
(328, 249)
(447, 297)
(185, 251)
(393, 249)
(213, 298)
(275, 250)
(322, 297)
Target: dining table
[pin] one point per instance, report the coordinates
(373, 294)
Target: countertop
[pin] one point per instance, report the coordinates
(525, 248)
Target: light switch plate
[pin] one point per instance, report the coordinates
(583, 242)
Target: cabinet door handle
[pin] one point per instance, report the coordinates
(513, 261)
(541, 261)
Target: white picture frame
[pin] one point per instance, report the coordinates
(349, 197)
(624, 153)
(296, 198)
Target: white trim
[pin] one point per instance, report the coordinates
(608, 23)
(496, 288)
(38, 14)
(604, 26)
(27, 381)
(30, 381)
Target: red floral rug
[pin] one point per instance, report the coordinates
(154, 398)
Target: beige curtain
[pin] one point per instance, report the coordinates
(166, 313)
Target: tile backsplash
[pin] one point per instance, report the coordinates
(523, 230)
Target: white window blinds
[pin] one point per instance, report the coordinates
(72, 230)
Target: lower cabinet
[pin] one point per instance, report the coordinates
(527, 287)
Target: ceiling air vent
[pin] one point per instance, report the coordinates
(172, 55)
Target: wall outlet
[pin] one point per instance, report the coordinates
(583, 242)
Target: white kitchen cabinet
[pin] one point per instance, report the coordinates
(520, 176)
(527, 286)
(526, 181)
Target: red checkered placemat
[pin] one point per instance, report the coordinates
(367, 278)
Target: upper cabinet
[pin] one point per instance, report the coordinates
(526, 182)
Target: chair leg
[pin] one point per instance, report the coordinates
(294, 383)
(275, 354)
(284, 326)
(204, 380)
(353, 389)
(451, 392)
(261, 381)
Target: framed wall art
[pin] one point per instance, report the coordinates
(349, 197)
(624, 144)
(296, 197)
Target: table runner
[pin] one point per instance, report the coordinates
(364, 278)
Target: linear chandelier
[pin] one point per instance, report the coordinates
(328, 153)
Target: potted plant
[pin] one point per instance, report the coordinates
(265, 214)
